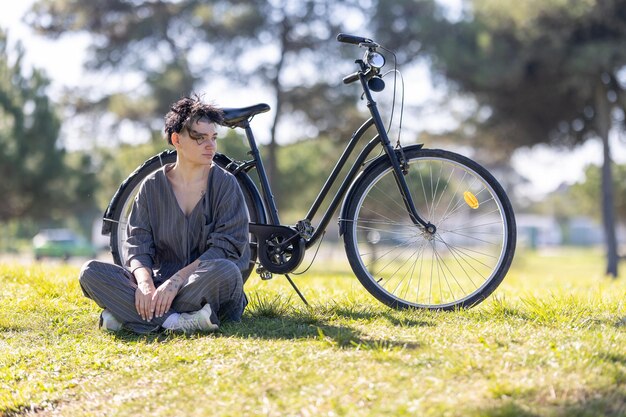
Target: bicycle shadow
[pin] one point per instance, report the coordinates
(395, 318)
(293, 327)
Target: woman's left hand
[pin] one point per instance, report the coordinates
(165, 294)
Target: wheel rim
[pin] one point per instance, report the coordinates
(414, 267)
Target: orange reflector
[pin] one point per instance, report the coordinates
(471, 199)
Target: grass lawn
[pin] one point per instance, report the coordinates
(549, 342)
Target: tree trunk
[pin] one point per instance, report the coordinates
(608, 206)
(272, 159)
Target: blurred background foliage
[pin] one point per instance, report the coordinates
(529, 72)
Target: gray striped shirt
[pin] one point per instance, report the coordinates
(163, 239)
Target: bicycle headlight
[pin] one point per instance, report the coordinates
(375, 59)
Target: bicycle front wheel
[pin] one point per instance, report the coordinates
(404, 266)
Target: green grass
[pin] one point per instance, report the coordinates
(549, 342)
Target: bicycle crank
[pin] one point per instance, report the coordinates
(280, 248)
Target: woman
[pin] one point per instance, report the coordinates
(187, 239)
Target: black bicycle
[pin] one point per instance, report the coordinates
(422, 228)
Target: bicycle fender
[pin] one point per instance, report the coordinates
(106, 222)
(383, 159)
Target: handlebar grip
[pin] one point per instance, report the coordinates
(351, 78)
(356, 40)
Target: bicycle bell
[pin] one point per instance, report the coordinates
(376, 84)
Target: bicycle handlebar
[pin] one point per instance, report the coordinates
(351, 78)
(366, 69)
(355, 40)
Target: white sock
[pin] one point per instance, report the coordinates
(171, 321)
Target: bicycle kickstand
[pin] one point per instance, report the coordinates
(293, 284)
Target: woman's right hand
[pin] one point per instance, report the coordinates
(143, 299)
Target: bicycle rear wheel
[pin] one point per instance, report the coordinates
(406, 267)
(130, 188)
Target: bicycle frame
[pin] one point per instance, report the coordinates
(380, 139)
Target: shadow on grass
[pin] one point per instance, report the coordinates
(13, 328)
(128, 336)
(29, 409)
(396, 318)
(613, 357)
(334, 323)
(293, 327)
(277, 318)
(283, 328)
(608, 402)
(509, 409)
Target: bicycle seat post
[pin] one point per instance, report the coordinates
(268, 197)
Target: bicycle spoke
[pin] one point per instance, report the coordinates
(411, 274)
(477, 239)
(391, 261)
(460, 249)
(423, 188)
(445, 214)
(444, 190)
(435, 188)
(390, 198)
(432, 263)
(452, 196)
(390, 222)
(419, 281)
(460, 204)
(456, 258)
(467, 274)
(384, 231)
(474, 226)
(395, 272)
(465, 251)
(446, 280)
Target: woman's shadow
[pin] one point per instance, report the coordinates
(285, 322)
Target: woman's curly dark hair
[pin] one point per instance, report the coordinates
(188, 110)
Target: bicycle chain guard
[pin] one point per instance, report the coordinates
(280, 248)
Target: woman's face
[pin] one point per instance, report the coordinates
(198, 143)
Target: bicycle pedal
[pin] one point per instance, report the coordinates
(305, 229)
(264, 274)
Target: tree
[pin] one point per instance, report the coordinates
(586, 193)
(36, 179)
(542, 71)
(175, 46)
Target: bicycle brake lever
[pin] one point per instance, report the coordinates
(369, 44)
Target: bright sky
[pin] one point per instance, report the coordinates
(62, 60)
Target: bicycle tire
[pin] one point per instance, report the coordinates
(405, 267)
(130, 187)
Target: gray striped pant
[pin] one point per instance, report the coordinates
(216, 282)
